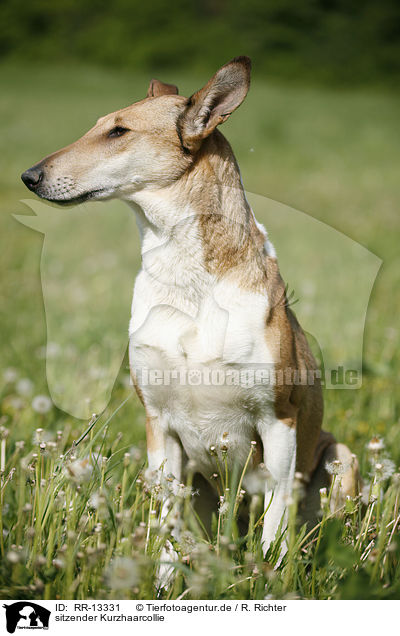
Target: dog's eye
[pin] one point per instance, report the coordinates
(117, 131)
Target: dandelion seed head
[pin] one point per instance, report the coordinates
(375, 445)
(10, 375)
(97, 500)
(41, 404)
(223, 506)
(79, 470)
(24, 387)
(337, 467)
(366, 493)
(52, 350)
(323, 493)
(122, 573)
(4, 432)
(59, 564)
(13, 557)
(384, 469)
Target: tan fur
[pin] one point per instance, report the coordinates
(233, 246)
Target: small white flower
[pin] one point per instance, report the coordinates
(41, 404)
(79, 470)
(4, 432)
(367, 496)
(323, 494)
(53, 349)
(13, 556)
(122, 573)
(97, 500)
(223, 506)
(384, 469)
(41, 435)
(224, 442)
(375, 445)
(10, 375)
(188, 542)
(59, 564)
(24, 386)
(337, 467)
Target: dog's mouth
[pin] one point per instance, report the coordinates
(80, 198)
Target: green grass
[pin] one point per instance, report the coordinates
(332, 154)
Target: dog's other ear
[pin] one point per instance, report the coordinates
(213, 103)
(157, 88)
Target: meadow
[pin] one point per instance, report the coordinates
(83, 521)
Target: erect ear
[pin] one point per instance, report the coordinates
(157, 88)
(213, 104)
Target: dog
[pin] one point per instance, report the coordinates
(209, 303)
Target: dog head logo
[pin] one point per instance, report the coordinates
(87, 275)
(26, 615)
(88, 271)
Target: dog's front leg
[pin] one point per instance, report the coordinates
(165, 455)
(163, 450)
(279, 442)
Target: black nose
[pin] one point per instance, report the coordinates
(32, 177)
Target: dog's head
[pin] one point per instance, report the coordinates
(149, 144)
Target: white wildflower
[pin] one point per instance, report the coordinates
(24, 386)
(122, 573)
(184, 491)
(79, 470)
(12, 556)
(224, 442)
(4, 432)
(384, 469)
(375, 445)
(10, 375)
(188, 542)
(337, 467)
(52, 350)
(96, 500)
(323, 493)
(223, 506)
(369, 493)
(41, 404)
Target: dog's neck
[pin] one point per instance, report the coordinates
(204, 214)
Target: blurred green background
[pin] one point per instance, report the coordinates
(319, 131)
(345, 41)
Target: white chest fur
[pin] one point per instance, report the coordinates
(193, 341)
